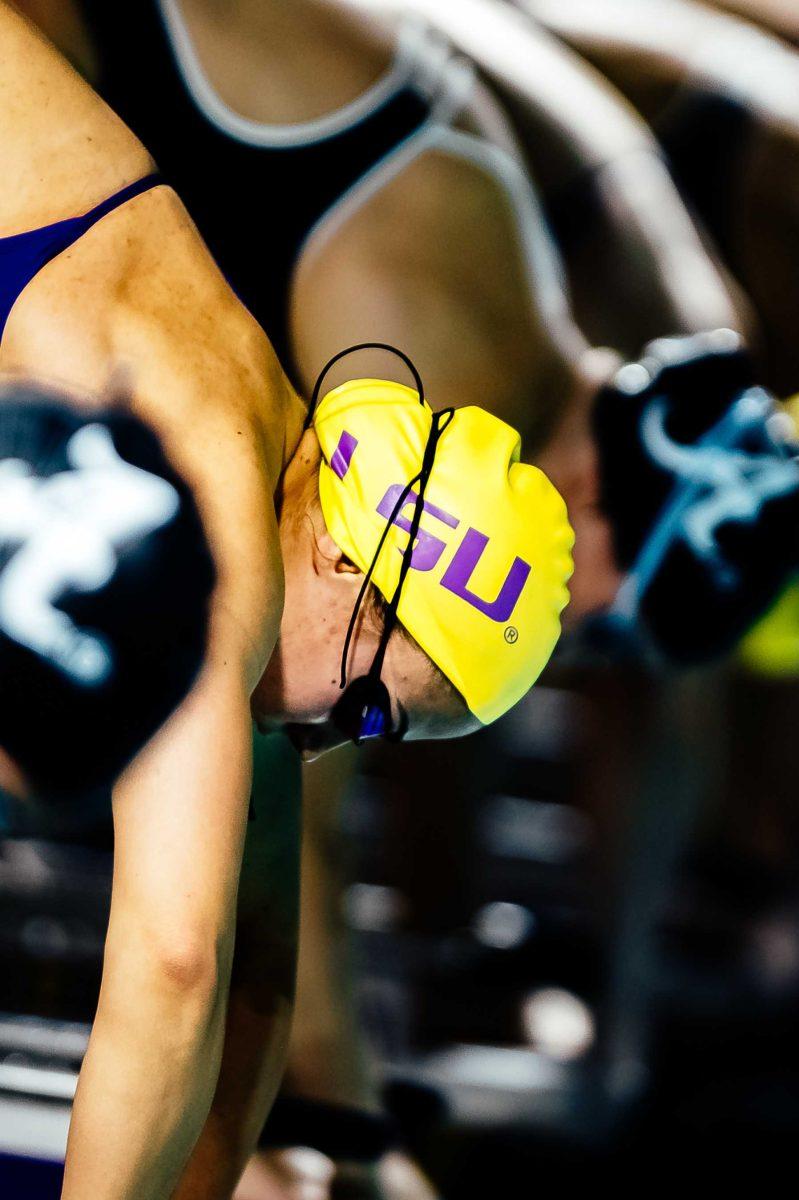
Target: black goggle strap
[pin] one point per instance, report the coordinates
(367, 579)
(440, 422)
(437, 427)
(417, 379)
(398, 507)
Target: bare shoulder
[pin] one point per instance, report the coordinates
(63, 149)
(205, 375)
(138, 305)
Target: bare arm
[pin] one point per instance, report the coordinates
(262, 984)
(181, 817)
(150, 1072)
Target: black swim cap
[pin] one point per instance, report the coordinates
(105, 584)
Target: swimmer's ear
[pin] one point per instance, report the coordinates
(345, 566)
(327, 555)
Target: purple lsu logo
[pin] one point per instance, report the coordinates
(428, 550)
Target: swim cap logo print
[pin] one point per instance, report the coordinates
(342, 455)
(68, 529)
(460, 571)
(428, 551)
(428, 548)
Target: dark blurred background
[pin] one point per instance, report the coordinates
(582, 932)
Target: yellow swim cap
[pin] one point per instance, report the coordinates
(492, 558)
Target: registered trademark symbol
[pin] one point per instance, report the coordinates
(511, 634)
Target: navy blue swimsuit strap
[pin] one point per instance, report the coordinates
(120, 198)
(23, 255)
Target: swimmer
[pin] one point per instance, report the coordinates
(324, 252)
(301, 513)
(394, 140)
(459, 145)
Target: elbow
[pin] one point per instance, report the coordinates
(184, 968)
(166, 992)
(190, 966)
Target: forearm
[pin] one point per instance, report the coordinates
(180, 811)
(253, 1060)
(146, 1084)
(262, 983)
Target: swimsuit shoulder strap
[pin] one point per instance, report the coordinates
(113, 202)
(23, 255)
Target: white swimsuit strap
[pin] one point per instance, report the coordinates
(455, 89)
(419, 62)
(542, 263)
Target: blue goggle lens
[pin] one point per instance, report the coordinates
(374, 722)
